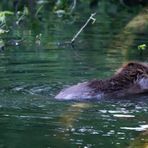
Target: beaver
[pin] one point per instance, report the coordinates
(131, 79)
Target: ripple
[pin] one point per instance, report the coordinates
(140, 128)
(123, 116)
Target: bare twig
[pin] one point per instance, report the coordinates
(73, 6)
(77, 34)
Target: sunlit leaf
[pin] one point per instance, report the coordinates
(3, 15)
(142, 47)
(6, 13)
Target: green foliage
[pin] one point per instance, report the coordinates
(61, 4)
(21, 15)
(63, 7)
(3, 16)
(2, 31)
(142, 47)
(3, 25)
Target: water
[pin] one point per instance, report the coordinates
(32, 73)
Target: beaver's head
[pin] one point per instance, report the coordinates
(134, 68)
(136, 73)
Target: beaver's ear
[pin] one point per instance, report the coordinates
(131, 64)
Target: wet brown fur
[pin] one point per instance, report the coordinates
(122, 80)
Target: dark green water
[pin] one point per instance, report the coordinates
(32, 73)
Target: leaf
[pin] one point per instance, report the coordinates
(3, 15)
(142, 47)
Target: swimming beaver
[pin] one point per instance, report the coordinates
(130, 79)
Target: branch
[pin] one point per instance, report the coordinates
(77, 34)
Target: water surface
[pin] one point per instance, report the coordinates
(32, 73)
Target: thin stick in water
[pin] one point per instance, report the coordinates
(77, 34)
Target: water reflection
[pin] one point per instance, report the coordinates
(72, 123)
(140, 128)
